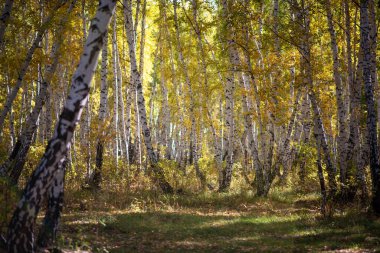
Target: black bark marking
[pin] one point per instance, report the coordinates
(67, 114)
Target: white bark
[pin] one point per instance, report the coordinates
(97, 175)
(25, 65)
(16, 160)
(20, 233)
(142, 41)
(122, 122)
(87, 117)
(369, 85)
(178, 91)
(193, 130)
(302, 16)
(229, 95)
(136, 81)
(115, 93)
(341, 105)
(165, 111)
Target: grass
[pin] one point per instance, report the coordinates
(210, 222)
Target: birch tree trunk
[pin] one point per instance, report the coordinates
(302, 14)
(141, 70)
(20, 231)
(247, 107)
(87, 112)
(165, 110)
(373, 11)
(259, 181)
(355, 84)
(4, 18)
(355, 166)
(15, 163)
(136, 81)
(116, 95)
(25, 65)
(130, 91)
(122, 123)
(229, 95)
(218, 141)
(49, 228)
(11, 126)
(322, 183)
(284, 149)
(136, 22)
(320, 135)
(138, 146)
(177, 86)
(97, 175)
(142, 40)
(369, 86)
(341, 105)
(307, 125)
(193, 131)
(48, 118)
(354, 149)
(200, 42)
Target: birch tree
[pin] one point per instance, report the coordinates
(25, 65)
(116, 95)
(193, 130)
(303, 20)
(369, 85)
(97, 175)
(341, 104)
(20, 231)
(13, 166)
(229, 95)
(136, 81)
(355, 87)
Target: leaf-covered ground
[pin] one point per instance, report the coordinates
(148, 222)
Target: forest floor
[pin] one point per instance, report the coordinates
(212, 222)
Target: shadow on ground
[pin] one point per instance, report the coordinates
(193, 230)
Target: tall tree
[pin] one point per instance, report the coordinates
(97, 175)
(25, 65)
(20, 231)
(136, 81)
(116, 94)
(341, 104)
(302, 13)
(193, 130)
(229, 95)
(369, 86)
(355, 88)
(13, 166)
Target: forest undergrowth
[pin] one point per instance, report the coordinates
(287, 221)
(136, 217)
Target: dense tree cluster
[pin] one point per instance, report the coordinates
(267, 91)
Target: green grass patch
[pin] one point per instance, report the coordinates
(213, 222)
